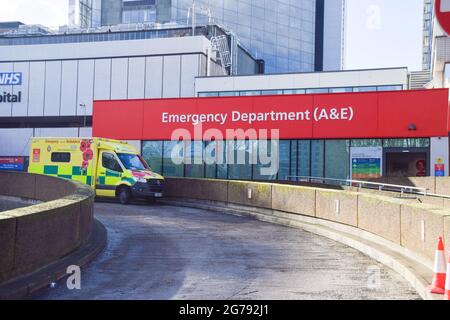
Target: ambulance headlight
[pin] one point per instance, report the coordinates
(138, 179)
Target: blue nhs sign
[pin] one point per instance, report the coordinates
(10, 78)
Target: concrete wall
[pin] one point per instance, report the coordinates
(413, 226)
(435, 185)
(34, 236)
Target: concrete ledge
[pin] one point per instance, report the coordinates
(34, 237)
(31, 283)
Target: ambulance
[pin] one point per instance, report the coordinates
(113, 168)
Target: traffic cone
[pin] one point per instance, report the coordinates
(439, 279)
(447, 283)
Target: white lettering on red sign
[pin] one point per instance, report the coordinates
(320, 114)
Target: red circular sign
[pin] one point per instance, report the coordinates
(443, 14)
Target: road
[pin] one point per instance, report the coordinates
(166, 252)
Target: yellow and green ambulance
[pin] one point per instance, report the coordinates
(113, 168)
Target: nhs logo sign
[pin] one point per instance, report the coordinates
(10, 78)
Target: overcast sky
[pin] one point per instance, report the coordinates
(379, 33)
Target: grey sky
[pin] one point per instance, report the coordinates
(379, 33)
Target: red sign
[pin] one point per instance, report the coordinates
(443, 14)
(395, 114)
(36, 155)
(12, 163)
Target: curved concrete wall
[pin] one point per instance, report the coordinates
(436, 185)
(415, 227)
(35, 236)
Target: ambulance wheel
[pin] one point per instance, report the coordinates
(124, 195)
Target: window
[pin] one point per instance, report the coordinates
(365, 89)
(132, 161)
(294, 91)
(284, 159)
(304, 158)
(264, 153)
(317, 158)
(194, 152)
(407, 143)
(316, 91)
(389, 88)
(110, 162)
(366, 143)
(208, 94)
(63, 157)
(337, 90)
(228, 94)
(210, 157)
(152, 152)
(238, 158)
(271, 92)
(173, 161)
(337, 159)
(250, 93)
(222, 166)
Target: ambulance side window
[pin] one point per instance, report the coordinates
(110, 162)
(61, 157)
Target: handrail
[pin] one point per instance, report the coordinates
(362, 184)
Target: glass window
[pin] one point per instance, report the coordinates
(337, 90)
(337, 159)
(110, 162)
(271, 92)
(239, 166)
(194, 153)
(152, 152)
(284, 159)
(208, 94)
(366, 143)
(389, 88)
(406, 143)
(132, 161)
(304, 158)
(222, 163)
(318, 90)
(210, 156)
(173, 159)
(364, 89)
(294, 91)
(228, 94)
(63, 157)
(266, 148)
(317, 158)
(293, 159)
(250, 93)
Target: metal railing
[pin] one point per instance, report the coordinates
(361, 184)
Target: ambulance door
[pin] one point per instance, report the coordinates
(109, 174)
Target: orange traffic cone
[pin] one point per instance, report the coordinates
(439, 281)
(447, 283)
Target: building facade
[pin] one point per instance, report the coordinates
(436, 49)
(347, 135)
(291, 36)
(84, 13)
(48, 88)
(428, 34)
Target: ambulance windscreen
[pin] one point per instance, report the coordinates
(132, 161)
